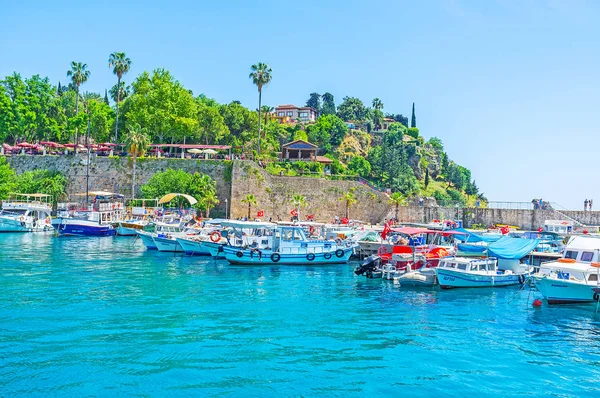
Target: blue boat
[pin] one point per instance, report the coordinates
(272, 244)
(97, 219)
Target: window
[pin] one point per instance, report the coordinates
(592, 278)
(303, 114)
(462, 267)
(571, 254)
(280, 113)
(290, 113)
(287, 234)
(587, 256)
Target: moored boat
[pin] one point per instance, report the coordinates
(459, 272)
(96, 219)
(574, 278)
(26, 213)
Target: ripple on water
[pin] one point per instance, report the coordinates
(101, 316)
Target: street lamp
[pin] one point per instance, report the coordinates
(226, 209)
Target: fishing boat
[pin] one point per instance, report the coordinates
(207, 242)
(96, 219)
(283, 245)
(458, 272)
(26, 213)
(574, 278)
(137, 217)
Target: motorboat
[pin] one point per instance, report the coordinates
(283, 245)
(95, 219)
(573, 278)
(26, 213)
(459, 272)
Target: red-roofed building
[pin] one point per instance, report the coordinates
(292, 114)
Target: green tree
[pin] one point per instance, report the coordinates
(106, 101)
(197, 185)
(209, 201)
(413, 118)
(260, 75)
(436, 143)
(426, 177)
(7, 179)
(350, 199)
(137, 142)
(122, 93)
(162, 106)
(377, 104)
(328, 107)
(397, 199)
(120, 65)
(413, 132)
(360, 166)
(48, 182)
(251, 201)
(352, 109)
(79, 74)
(299, 201)
(314, 101)
(211, 127)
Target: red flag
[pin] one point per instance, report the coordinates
(386, 231)
(505, 230)
(310, 217)
(261, 213)
(294, 213)
(345, 220)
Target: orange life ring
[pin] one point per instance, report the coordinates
(113, 206)
(311, 230)
(566, 260)
(597, 265)
(215, 236)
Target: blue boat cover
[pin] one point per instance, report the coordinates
(512, 248)
(473, 237)
(466, 248)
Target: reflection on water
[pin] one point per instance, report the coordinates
(91, 316)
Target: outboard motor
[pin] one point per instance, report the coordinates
(370, 264)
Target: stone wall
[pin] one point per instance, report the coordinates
(323, 197)
(524, 219)
(114, 174)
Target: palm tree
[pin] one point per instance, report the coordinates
(260, 75)
(79, 75)
(267, 111)
(398, 200)
(299, 201)
(251, 200)
(210, 199)
(377, 104)
(137, 142)
(350, 199)
(123, 92)
(120, 64)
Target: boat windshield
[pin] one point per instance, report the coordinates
(21, 212)
(587, 256)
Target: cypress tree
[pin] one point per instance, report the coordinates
(413, 119)
(426, 178)
(59, 89)
(106, 97)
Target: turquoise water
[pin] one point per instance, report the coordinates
(103, 317)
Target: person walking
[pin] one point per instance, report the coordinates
(590, 204)
(585, 204)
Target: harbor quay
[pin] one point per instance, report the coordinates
(238, 178)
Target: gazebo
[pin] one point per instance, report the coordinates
(299, 150)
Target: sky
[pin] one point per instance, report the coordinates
(510, 86)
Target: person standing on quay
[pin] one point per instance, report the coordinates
(585, 203)
(590, 204)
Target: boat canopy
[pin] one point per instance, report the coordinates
(215, 221)
(170, 196)
(586, 242)
(414, 231)
(248, 224)
(472, 237)
(512, 248)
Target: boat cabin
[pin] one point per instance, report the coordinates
(482, 265)
(35, 205)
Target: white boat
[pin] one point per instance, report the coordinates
(165, 242)
(193, 246)
(26, 213)
(283, 245)
(575, 277)
(456, 272)
(425, 277)
(93, 219)
(161, 228)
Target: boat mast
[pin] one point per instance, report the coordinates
(87, 163)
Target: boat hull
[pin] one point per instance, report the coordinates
(71, 227)
(450, 279)
(147, 240)
(193, 247)
(557, 291)
(249, 257)
(418, 278)
(13, 224)
(167, 245)
(128, 229)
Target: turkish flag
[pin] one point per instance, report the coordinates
(261, 213)
(294, 213)
(386, 231)
(505, 230)
(345, 220)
